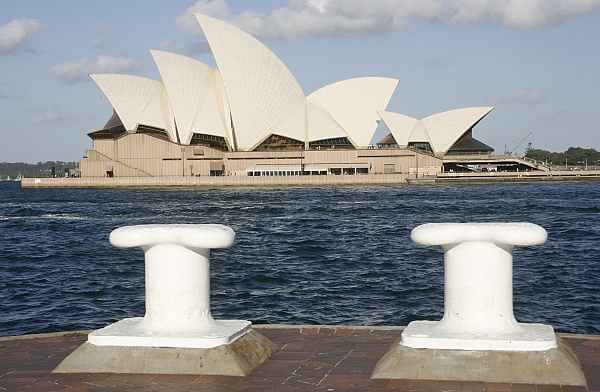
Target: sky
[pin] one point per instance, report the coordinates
(537, 62)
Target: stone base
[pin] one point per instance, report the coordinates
(557, 366)
(236, 359)
(132, 332)
(431, 334)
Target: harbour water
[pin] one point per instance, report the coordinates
(303, 255)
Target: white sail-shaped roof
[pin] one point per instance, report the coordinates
(223, 107)
(440, 130)
(136, 100)
(209, 120)
(321, 125)
(260, 88)
(400, 126)
(293, 123)
(248, 97)
(158, 114)
(419, 134)
(191, 88)
(353, 103)
(447, 127)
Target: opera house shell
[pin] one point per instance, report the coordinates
(439, 133)
(250, 117)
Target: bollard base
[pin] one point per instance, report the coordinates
(133, 332)
(557, 366)
(524, 337)
(236, 359)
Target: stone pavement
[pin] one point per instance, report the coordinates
(320, 358)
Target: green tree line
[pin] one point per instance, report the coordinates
(40, 169)
(574, 157)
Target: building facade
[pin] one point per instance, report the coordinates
(250, 117)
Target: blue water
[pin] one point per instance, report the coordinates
(326, 255)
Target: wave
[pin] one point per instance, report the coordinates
(324, 255)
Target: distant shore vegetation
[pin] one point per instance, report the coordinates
(40, 170)
(578, 157)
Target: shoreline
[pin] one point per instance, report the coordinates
(325, 180)
(509, 177)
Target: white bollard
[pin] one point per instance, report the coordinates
(478, 295)
(177, 289)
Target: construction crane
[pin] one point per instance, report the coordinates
(509, 152)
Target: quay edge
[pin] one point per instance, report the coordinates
(508, 177)
(329, 180)
(206, 181)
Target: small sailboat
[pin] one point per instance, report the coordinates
(18, 178)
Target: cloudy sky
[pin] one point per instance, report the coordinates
(537, 62)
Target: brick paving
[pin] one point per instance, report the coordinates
(310, 358)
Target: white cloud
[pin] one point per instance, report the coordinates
(217, 8)
(356, 17)
(16, 34)
(519, 13)
(519, 96)
(78, 70)
(50, 115)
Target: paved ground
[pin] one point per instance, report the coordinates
(311, 358)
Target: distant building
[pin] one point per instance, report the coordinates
(250, 117)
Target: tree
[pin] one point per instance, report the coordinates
(574, 156)
(40, 169)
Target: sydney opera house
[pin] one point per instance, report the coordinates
(250, 117)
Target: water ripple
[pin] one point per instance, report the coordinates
(318, 255)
